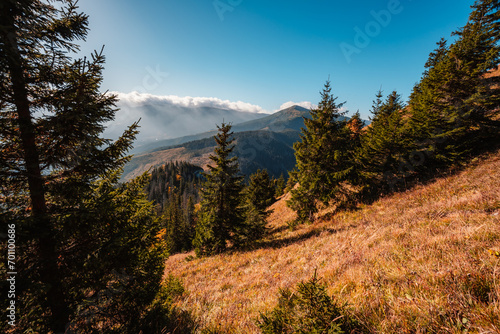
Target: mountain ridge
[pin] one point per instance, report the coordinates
(263, 143)
(276, 122)
(159, 121)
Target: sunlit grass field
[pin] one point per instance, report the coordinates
(422, 261)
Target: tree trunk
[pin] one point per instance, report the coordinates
(49, 270)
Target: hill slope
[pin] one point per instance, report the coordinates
(265, 143)
(161, 120)
(413, 262)
(255, 150)
(286, 119)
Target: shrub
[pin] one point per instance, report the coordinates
(308, 310)
(163, 316)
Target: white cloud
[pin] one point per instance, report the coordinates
(173, 116)
(304, 104)
(138, 99)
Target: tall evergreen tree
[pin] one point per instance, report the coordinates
(174, 224)
(23, 62)
(259, 196)
(189, 224)
(324, 157)
(52, 157)
(383, 144)
(221, 214)
(452, 105)
(113, 254)
(280, 186)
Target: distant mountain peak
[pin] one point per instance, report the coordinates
(297, 107)
(292, 108)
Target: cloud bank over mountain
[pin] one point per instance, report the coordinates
(164, 117)
(136, 99)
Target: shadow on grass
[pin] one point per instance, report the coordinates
(424, 178)
(290, 240)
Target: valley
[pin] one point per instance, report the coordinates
(264, 143)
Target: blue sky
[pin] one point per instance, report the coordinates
(267, 53)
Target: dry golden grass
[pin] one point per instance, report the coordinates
(414, 262)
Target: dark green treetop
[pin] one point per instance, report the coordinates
(323, 157)
(220, 214)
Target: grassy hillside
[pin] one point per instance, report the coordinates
(414, 262)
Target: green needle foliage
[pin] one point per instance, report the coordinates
(324, 158)
(280, 186)
(454, 103)
(221, 216)
(305, 311)
(116, 272)
(174, 188)
(87, 252)
(452, 114)
(383, 143)
(260, 190)
(259, 196)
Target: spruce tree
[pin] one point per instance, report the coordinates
(58, 178)
(324, 158)
(113, 255)
(174, 224)
(189, 226)
(383, 143)
(259, 196)
(23, 63)
(280, 186)
(221, 214)
(260, 190)
(453, 105)
(309, 309)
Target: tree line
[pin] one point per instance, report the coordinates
(210, 211)
(452, 114)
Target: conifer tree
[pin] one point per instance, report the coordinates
(324, 158)
(260, 190)
(452, 105)
(280, 186)
(309, 309)
(383, 143)
(174, 224)
(259, 196)
(52, 157)
(22, 63)
(113, 256)
(355, 126)
(188, 232)
(221, 214)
